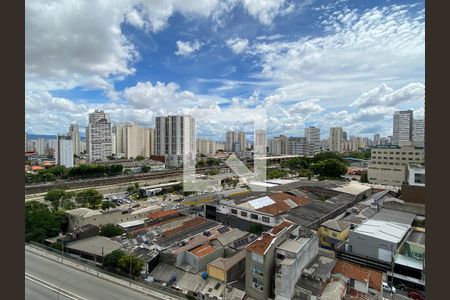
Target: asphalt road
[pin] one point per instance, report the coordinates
(47, 279)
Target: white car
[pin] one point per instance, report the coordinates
(388, 288)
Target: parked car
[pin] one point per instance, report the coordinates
(388, 288)
(416, 295)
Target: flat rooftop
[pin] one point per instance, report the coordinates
(132, 223)
(83, 212)
(96, 245)
(320, 267)
(388, 225)
(293, 246)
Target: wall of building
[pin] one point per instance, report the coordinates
(201, 263)
(408, 207)
(368, 246)
(325, 233)
(286, 279)
(217, 273)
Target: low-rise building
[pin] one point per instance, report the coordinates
(291, 257)
(333, 232)
(94, 248)
(260, 260)
(228, 269)
(389, 164)
(81, 216)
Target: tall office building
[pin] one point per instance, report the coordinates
(98, 133)
(419, 132)
(74, 133)
(376, 140)
(335, 139)
(175, 139)
(402, 127)
(312, 135)
(64, 151)
(260, 140)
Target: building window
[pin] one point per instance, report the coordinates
(233, 211)
(266, 219)
(243, 213)
(258, 270)
(257, 284)
(254, 217)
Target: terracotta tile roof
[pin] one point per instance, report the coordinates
(186, 225)
(279, 197)
(260, 245)
(202, 250)
(275, 209)
(162, 214)
(359, 273)
(37, 168)
(281, 226)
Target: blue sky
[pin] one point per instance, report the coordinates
(342, 63)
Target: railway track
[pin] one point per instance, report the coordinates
(41, 188)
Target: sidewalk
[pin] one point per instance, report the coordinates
(148, 291)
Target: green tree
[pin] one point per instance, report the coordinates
(364, 178)
(329, 168)
(41, 223)
(139, 158)
(200, 164)
(328, 155)
(111, 230)
(255, 229)
(145, 168)
(57, 246)
(130, 260)
(55, 197)
(89, 197)
(112, 259)
(68, 203)
(106, 205)
(276, 173)
(297, 163)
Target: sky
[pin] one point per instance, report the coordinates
(319, 63)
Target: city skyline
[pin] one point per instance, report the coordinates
(305, 65)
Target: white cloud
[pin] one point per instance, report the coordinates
(384, 95)
(306, 107)
(357, 49)
(237, 45)
(267, 10)
(187, 48)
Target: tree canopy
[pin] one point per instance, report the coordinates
(111, 230)
(89, 197)
(41, 223)
(329, 168)
(136, 264)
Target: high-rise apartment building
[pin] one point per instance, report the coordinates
(132, 141)
(335, 139)
(403, 127)
(260, 139)
(376, 140)
(74, 133)
(231, 138)
(419, 132)
(297, 146)
(64, 151)
(206, 147)
(175, 139)
(41, 146)
(312, 135)
(278, 145)
(98, 134)
(235, 141)
(344, 135)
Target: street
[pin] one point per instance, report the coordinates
(48, 279)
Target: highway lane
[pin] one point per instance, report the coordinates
(43, 275)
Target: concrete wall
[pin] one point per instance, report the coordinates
(201, 263)
(368, 246)
(238, 223)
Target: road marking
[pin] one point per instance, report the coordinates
(54, 288)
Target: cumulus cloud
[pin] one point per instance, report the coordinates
(237, 45)
(187, 48)
(384, 95)
(267, 10)
(306, 107)
(357, 48)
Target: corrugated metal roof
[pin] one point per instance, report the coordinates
(261, 202)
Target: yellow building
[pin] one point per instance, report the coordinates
(228, 269)
(333, 232)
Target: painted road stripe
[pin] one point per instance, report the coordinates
(54, 288)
